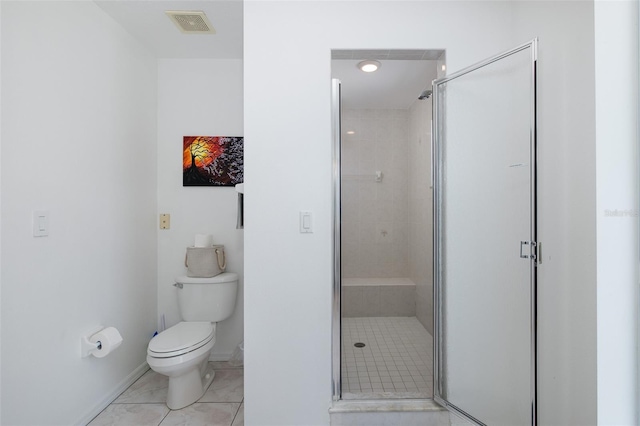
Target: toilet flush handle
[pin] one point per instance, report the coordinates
(179, 285)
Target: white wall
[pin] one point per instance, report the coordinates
(288, 169)
(0, 211)
(566, 207)
(616, 88)
(290, 98)
(79, 133)
(197, 97)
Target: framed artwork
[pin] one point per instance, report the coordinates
(212, 160)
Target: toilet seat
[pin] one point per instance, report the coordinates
(180, 339)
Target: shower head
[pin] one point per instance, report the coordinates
(426, 94)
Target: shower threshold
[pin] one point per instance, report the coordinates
(363, 396)
(389, 411)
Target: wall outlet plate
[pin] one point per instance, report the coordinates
(165, 221)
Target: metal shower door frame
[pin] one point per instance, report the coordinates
(336, 319)
(439, 379)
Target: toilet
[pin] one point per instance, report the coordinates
(182, 351)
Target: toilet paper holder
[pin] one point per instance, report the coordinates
(86, 346)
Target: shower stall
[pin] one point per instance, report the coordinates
(386, 232)
(386, 253)
(482, 318)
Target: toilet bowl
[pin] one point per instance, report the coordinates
(182, 352)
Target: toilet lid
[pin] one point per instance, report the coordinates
(181, 338)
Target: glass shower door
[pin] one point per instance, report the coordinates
(485, 271)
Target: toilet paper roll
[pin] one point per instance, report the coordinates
(109, 339)
(203, 240)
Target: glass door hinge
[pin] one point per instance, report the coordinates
(532, 251)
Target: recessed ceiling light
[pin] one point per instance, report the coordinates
(444, 67)
(351, 132)
(369, 66)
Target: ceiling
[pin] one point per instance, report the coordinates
(403, 76)
(146, 21)
(396, 84)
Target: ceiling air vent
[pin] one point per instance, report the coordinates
(191, 21)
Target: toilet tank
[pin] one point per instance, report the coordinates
(207, 299)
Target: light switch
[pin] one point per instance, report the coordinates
(165, 221)
(306, 223)
(40, 223)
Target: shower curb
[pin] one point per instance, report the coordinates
(385, 405)
(386, 412)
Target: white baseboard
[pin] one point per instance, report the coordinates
(124, 384)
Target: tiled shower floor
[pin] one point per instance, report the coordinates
(396, 362)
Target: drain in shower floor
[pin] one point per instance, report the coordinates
(359, 345)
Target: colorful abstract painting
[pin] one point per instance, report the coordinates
(212, 160)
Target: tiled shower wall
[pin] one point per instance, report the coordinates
(375, 216)
(421, 210)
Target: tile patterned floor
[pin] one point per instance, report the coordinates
(397, 361)
(143, 403)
